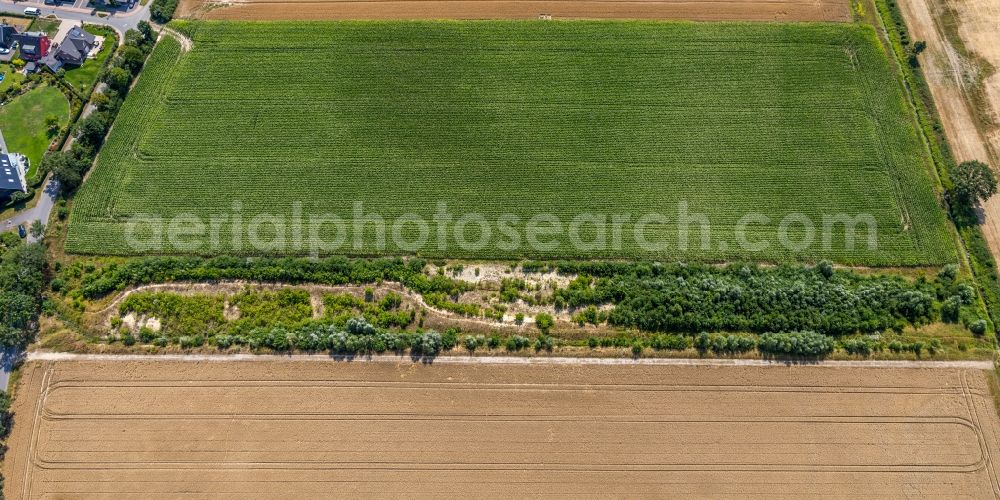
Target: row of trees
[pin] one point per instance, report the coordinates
(357, 337)
(69, 167)
(361, 337)
(22, 281)
(696, 298)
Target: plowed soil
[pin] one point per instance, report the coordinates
(761, 10)
(225, 429)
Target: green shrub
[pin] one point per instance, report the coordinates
(861, 346)
(732, 344)
(544, 322)
(428, 344)
(637, 349)
(796, 343)
(544, 343)
(950, 309)
(978, 327)
(517, 342)
(449, 339)
(703, 341)
(671, 342)
(187, 341)
(470, 343)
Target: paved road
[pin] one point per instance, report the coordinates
(121, 21)
(8, 358)
(41, 210)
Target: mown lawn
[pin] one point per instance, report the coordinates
(49, 26)
(10, 77)
(23, 122)
(510, 120)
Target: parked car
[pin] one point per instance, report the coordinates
(21, 231)
(33, 11)
(50, 2)
(4, 50)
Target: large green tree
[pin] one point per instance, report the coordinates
(974, 182)
(22, 280)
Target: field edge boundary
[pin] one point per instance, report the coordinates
(508, 360)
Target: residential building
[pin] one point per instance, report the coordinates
(7, 33)
(34, 45)
(72, 50)
(12, 175)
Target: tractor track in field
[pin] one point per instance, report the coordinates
(290, 428)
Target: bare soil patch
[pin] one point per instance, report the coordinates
(291, 428)
(702, 10)
(18, 22)
(435, 318)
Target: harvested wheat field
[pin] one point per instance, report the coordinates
(699, 10)
(963, 52)
(224, 429)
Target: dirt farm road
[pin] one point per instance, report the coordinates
(506, 360)
(948, 75)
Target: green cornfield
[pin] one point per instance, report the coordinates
(720, 141)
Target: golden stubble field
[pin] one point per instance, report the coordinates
(281, 429)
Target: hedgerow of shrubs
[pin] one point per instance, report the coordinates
(189, 315)
(675, 298)
(358, 337)
(796, 343)
(384, 313)
(98, 282)
(725, 344)
(695, 298)
(179, 315)
(203, 314)
(265, 308)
